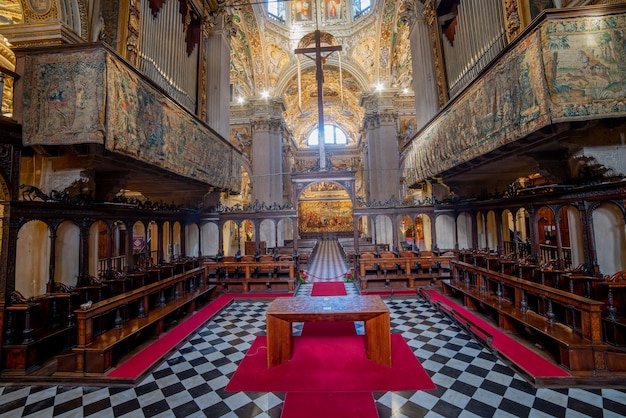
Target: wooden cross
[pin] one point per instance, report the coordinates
(319, 76)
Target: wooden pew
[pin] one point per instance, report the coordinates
(566, 324)
(614, 323)
(37, 329)
(266, 275)
(401, 272)
(107, 329)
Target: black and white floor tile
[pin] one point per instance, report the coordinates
(470, 381)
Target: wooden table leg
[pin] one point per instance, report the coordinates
(378, 339)
(278, 340)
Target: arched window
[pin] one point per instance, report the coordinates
(360, 7)
(333, 135)
(276, 10)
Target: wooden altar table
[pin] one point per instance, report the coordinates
(370, 309)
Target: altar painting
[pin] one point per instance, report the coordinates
(332, 216)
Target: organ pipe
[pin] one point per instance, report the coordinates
(480, 34)
(163, 55)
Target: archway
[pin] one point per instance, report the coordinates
(464, 230)
(423, 235)
(67, 253)
(209, 233)
(610, 238)
(33, 255)
(444, 226)
(325, 209)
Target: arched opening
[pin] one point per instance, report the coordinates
(33, 259)
(325, 208)
(492, 231)
(268, 233)
(444, 226)
(423, 235)
(384, 232)
(464, 230)
(67, 253)
(210, 238)
(192, 237)
(407, 237)
(571, 216)
(547, 234)
(481, 228)
(610, 238)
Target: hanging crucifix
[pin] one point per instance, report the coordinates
(319, 59)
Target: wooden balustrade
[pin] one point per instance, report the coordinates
(568, 325)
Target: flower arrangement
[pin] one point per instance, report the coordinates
(302, 276)
(349, 276)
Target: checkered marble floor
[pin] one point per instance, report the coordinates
(471, 382)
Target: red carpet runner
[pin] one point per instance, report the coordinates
(328, 289)
(329, 405)
(525, 358)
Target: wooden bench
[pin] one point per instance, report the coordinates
(389, 271)
(107, 329)
(565, 324)
(36, 330)
(266, 275)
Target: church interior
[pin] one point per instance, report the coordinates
(173, 170)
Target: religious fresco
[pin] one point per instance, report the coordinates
(64, 98)
(332, 9)
(332, 216)
(509, 102)
(141, 122)
(585, 66)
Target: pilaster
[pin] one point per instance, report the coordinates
(268, 127)
(381, 130)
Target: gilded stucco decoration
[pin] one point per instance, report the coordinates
(364, 54)
(375, 49)
(277, 60)
(40, 11)
(401, 62)
(11, 12)
(346, 113)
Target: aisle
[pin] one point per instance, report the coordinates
(328, 263)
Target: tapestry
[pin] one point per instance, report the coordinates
(585, 66)
(142, 123)
(89, 96)
(63, 98)
(506, 104)
(332, 216)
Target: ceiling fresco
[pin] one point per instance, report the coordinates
(375, 51)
